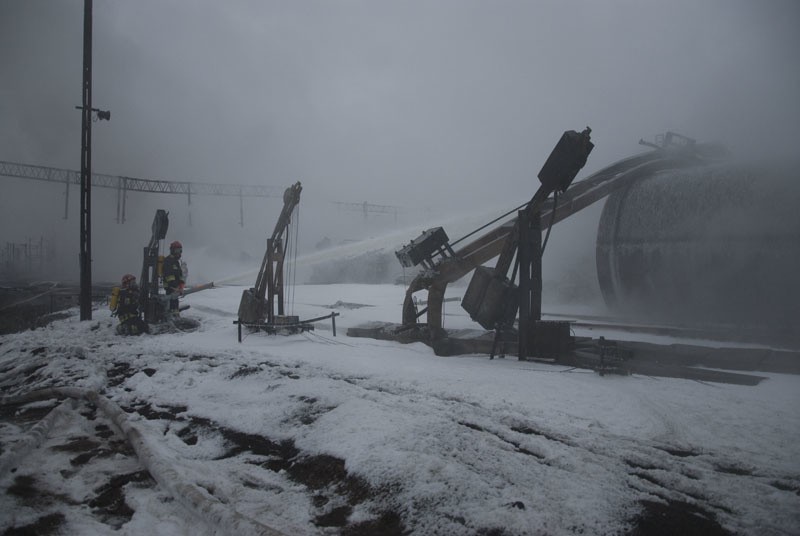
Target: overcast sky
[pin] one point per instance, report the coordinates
(421, 102)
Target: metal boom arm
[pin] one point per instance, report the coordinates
(492, 243)
(259, 302)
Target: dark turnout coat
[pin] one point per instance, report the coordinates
(130, 322)
(173, 274)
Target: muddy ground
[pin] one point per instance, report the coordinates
(324, 478)
(31, 305)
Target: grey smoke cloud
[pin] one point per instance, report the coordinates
(449, 104)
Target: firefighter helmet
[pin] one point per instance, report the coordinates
(175, 245)
(128, 280)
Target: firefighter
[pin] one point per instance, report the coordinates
(173, 275)
(130, 322)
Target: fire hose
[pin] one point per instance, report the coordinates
(219, 517)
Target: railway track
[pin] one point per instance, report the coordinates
(769, 336)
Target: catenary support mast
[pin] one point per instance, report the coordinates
(86, 168)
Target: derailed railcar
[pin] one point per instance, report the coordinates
(713, 244)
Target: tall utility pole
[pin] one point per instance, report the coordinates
(86, 167)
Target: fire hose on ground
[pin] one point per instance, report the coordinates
(219, 517)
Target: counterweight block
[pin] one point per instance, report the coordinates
(491, 300)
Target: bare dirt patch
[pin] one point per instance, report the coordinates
(109, 502)
(47, 524)
(332, 489)
(675, 517)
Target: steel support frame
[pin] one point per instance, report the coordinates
(86, 169)
(579, 196)
(529, 257)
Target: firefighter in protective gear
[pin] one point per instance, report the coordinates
(130, 321)
(173, 275)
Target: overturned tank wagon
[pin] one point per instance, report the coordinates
(716, 244)
(687, 236)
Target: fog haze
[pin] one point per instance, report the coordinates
(443, 105)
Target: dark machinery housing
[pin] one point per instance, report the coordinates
(491, 301)
(424, 248)
(149, 302)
